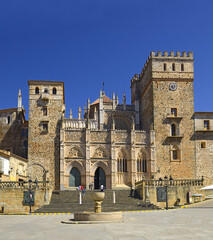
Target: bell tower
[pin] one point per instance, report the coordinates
(166, 105)
(46, 110)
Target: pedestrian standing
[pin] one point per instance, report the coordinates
(84, 191)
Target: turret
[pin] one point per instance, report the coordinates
(101, 114)
(79, 113)
(19, 101)
(124, 102)
(70, 113)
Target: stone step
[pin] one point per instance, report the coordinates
(68, 201)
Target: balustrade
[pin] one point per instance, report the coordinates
(175, 182)
(23, 184)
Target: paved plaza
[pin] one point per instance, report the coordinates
(194, 222)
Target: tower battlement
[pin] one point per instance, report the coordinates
(166, 65)
(171, 55)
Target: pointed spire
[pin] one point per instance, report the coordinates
(113, 101)
(79, 112)
(70, 113)
(116, 100)
(124, 101)
(19, 101)
(88, 107)
(88, 104)
(101, 94)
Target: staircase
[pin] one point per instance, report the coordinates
(68, 201)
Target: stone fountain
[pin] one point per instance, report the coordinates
(97, 216)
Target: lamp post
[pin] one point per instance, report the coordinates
(165, 185)
(29, 194)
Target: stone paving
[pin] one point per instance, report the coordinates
(194, 222)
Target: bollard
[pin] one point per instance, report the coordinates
(113, 197)
(80, 199)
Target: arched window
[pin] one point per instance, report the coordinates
(173, 67)
(141, 162)
(54, 91)
(36, 90)
(121, 163)
(175, 153)
(164, 66)
(182, 67)
(142, 165)
(45, 90)
(173, 129)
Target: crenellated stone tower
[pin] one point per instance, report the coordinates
(163, 93)
(46, 111)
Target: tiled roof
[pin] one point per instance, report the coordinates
(8, 110)
(105, 100)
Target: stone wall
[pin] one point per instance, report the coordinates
(12, 199)
(174, 193)
(17, 127)
(157, 98)
(181, 99)
(44, 127)
(204, 156)
(177, 191)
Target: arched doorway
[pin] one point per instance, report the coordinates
(99, 178)
(74, 178)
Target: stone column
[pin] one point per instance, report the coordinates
(101, 111)
(62, 167)
(113, 159)
(87, 165)
(152, 153)
(132, 160)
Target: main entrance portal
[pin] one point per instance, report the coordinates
(74, 178)
(99, 178)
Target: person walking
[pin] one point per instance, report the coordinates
(102, 187)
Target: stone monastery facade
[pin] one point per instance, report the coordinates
(114, 144)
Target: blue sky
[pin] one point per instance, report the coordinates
(87, 42)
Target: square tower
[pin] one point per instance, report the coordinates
(46, 110)
(164, 90)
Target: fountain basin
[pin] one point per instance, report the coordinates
(103, 216)
(98, 196)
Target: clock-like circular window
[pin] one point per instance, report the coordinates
(173, 86)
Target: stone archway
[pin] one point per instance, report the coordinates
(99, 178)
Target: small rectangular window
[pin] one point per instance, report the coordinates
(8, 119)
(45, 127)
(44, 111)
(174, 112)
(203, 145)
(175, 154)
(206, 124)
